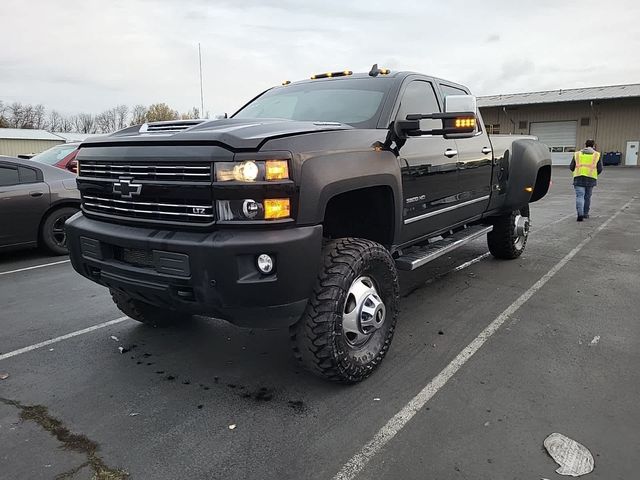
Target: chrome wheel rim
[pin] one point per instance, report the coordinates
(364, 312)
(520, 230)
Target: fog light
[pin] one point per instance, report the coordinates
(250, 208)
(265, 263)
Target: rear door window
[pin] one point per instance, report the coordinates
(28, 175)
(8, 176)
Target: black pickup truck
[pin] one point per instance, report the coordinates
(299, 210)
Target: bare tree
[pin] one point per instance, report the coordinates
(16, 115)
(4, 122)
(67, 124)
(38, 119)
(121, 113)
(190, 114)
(106, 121)
(54, 121)
(138, 115)
(85, 123)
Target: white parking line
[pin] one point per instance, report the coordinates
(63, 337)
(35, 266)
(400, 419)
(557, 221)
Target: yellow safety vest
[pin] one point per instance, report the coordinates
(586, 164)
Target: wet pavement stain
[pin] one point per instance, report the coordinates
(262, 394)
(70, 441)
(297, 405)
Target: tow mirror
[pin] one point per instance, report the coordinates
(463, 125)
(459, 120)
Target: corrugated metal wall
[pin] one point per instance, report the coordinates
(13, 147)
(612, 123)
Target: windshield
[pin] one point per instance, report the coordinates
(356, 102)
(55, 154)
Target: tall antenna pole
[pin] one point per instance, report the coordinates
(201, 94)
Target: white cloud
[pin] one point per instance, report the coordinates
(88, 55)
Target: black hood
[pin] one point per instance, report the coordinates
(235, 134)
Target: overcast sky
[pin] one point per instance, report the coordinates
(89, 55)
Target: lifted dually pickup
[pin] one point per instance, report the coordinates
(299, 210)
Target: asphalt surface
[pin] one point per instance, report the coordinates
(565, 361)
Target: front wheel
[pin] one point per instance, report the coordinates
(510, 234)
(53, 235)
(349, 322)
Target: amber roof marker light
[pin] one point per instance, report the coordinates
(343, 73)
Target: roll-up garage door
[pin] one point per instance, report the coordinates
(560, 137)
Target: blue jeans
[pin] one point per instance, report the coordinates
(583, 200)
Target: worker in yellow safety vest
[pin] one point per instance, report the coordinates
(586, 165)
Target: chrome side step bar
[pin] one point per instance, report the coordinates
(427, 253)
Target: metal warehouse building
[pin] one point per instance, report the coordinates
(16, 141)
(565, 119)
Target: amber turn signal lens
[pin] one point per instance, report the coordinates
(276, 170)
(276, 208)
(465, 122)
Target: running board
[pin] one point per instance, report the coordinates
(427, 253)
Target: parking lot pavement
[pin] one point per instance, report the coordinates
(163, 408)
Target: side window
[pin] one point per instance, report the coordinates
(449, 90)
(27, 175)
(8, 176)
(420, 97)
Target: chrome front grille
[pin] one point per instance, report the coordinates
(158, 172)
(187, 212)
(163, 192)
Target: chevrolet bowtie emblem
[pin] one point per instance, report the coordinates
(126, 189)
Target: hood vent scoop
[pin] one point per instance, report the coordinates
(171, 126)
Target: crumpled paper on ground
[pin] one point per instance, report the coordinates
(574, 458)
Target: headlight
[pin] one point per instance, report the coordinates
(251, 171)
(249, 209)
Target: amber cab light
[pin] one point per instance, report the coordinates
(275, 208)
(276, 170)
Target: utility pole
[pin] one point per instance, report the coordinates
(201, 94)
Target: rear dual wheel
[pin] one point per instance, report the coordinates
(348, 325)
(510, 233)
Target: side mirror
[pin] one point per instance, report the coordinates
(219, 116)
(459, 120)
(462, 106)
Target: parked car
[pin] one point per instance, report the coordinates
(61, 156)
(35, 202)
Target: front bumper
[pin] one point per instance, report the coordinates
(209, 273)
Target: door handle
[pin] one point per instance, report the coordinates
(486, 150)
(450, 153)
(35, 194)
